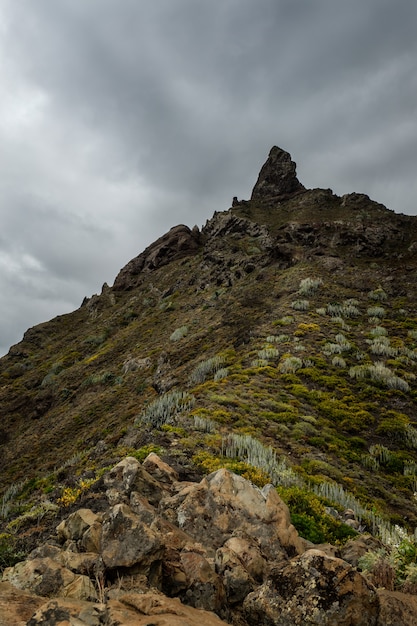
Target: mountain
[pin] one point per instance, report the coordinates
(279, 341)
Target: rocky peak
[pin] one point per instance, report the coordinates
(277, 176)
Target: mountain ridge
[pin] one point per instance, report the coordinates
(289, 319)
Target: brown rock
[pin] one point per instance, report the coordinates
(127, 541)
(397, 609)
(223, 503)
(128, 476)
(204, 587)
(74, 527)
(67, 612)
(159, 470)
(236, 579)
(17, 606)
(357, 547)
(313, 589)
(247, 550)
(46, 577)
(154, 608)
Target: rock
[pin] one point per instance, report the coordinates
(128, 476)
(46, 577)
(247, 550)
(396, 608)
(176, 244)
(357, 547)
(82, 563)
(277, 177)
(313, 589)
(154, 609)
(224, 503)
(220, 545)
(205, 589)
(127, 541)
(236, 578)
(17, 606)
(159, 470)
(76, 525)
(67, 612)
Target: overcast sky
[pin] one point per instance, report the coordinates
(122, 118)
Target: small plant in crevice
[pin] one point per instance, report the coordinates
(8, 498)
(204, 424)
(393, 568)
(376, 312)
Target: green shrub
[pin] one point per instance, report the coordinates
(165, 408)
(179, 333)
(9, 552)
(290, 364)
(222, 373)
(379, 295)
(378, 372)
(300, 305)
(206, 368)
(308, 514)
(309, 286)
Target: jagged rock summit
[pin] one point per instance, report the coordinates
(277, 177)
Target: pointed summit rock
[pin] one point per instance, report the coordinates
(277, 176)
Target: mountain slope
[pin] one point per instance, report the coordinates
(289, 319)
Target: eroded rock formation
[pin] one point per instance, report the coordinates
(179, 553)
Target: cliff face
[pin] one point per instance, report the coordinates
(289, 320)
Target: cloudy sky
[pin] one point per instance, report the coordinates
(122, 118)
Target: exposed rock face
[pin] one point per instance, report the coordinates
(177, 243)
(277, 177)
(168, 552)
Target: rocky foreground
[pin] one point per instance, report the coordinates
(152, 550)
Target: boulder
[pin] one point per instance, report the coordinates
(128, 476)
(47, 577)
(313, 589)
(128, 541)
(68, 612)
(396, 608)
(205, 589)
(155, 609)
(83, 526)
(224, 503)
(177, 243)
(357, 547)
(159, 470)
(17, 606)
(237, 581)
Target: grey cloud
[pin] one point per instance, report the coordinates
(122, 118)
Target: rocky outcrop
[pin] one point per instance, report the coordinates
(168, 552)
(177, 243)
(277, 177)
